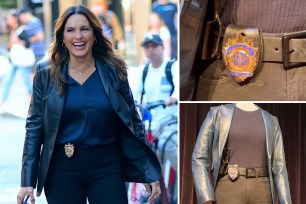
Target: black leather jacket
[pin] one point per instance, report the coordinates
(139, 162)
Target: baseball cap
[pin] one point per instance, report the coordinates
(25, 10)
(152, 38)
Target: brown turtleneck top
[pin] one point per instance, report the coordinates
(272, 16)
(247, 139)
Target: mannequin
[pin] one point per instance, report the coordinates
(237, 146)
(247, 106)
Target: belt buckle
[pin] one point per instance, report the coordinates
(286, 50)
(247, 173)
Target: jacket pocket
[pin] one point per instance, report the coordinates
(215, 83)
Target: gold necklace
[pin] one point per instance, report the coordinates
(81, 73)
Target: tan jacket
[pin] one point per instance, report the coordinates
(210, 142)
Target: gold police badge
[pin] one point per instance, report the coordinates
(241, 51)
(69, 150)
(233, 172)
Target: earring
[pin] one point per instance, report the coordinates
(63, 45)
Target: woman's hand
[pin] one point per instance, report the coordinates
(23, 192)
(153, 189)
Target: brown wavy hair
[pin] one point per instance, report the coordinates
(102, 49)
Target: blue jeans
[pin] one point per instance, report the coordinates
(26, 75)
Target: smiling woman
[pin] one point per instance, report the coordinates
(78, 40)
(78, 36)
(84, 136)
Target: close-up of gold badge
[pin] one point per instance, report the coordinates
(241, 51)
(69, 150)
(233, 172)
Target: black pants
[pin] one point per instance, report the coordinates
(93, 173)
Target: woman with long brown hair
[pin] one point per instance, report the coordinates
(84, 137)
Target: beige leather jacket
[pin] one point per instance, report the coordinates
(210, 143)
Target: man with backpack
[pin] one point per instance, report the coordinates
(160, 81)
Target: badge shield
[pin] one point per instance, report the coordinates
(69, 150)
(233, 172)
(241, 51)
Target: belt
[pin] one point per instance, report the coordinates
(287, 48)
(252, 172)
(70, 149)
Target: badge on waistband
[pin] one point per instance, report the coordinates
(233, 172)
(69, 150)
(241, 51)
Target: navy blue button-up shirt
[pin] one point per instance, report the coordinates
(88, 119)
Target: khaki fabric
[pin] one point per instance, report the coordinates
(271, 82)
(243, 190)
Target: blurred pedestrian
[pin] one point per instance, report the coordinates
(35, 30)
(168, 12)
(84, 137)
(156, 27)
(101, 8)
(160, 82)
(158, 85)
(106, 28)
(18, 40)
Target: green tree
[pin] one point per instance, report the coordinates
(7, 4)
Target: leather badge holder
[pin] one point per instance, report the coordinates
(241, 51)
